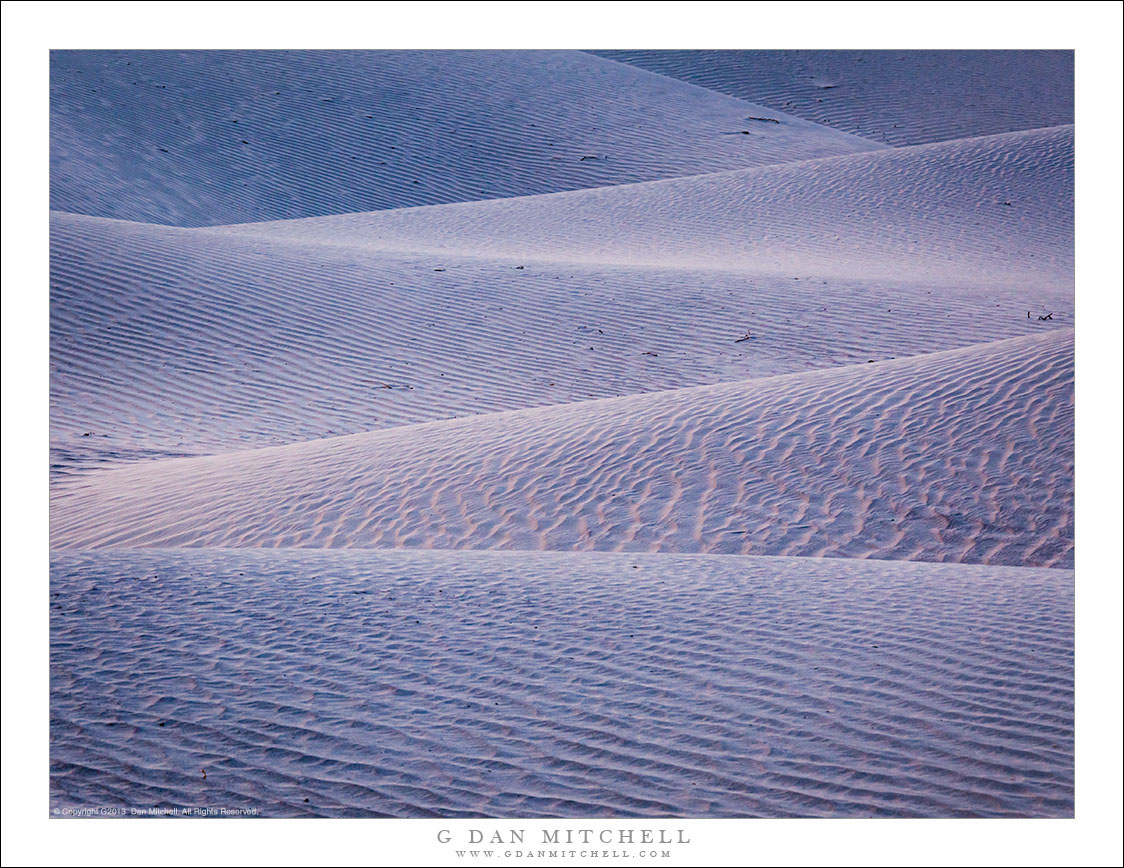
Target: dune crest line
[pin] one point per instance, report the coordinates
(864, 461)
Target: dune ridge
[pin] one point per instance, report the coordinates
(168, 341)
(199, 138)
(548, 434)
(991, 209)
(863, 461)
(896, 97)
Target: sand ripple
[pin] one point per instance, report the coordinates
(191, 138)
(964, 456)
(437, 684)
(560, 434)
(169, 342)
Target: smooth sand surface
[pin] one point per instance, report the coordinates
(631, 435)
(897, 97)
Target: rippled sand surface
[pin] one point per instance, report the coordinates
(417, 684)
(562, 434)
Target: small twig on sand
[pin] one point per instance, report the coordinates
(767, 120)
(744, 337)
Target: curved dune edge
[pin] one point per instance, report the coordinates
(171, 341)
(959, 456)
(966, 212)
(534, 434)
(204, 138)
(896, 97)
(422, 684)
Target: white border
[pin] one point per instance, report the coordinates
(1093, 29)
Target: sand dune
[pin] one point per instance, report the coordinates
(598, 338)
(996, 209)
(897, 97)
(503, 684)
(958, 456)
(199, 138)
(167, 341)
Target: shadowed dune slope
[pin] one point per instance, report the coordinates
(897, 97)
(193, 138)
(965, 455)
(421, 684)
(173, 341)
(996, 209)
